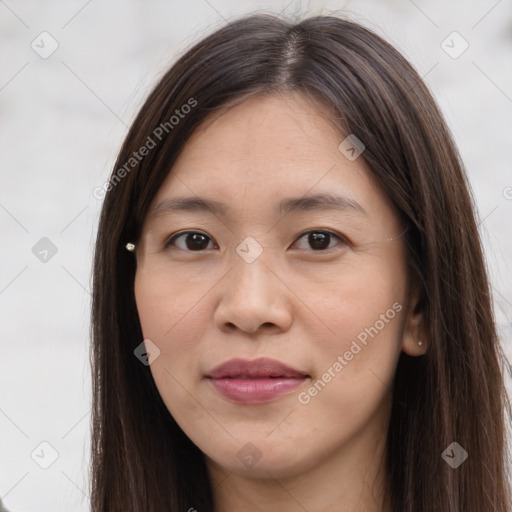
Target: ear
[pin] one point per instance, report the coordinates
(414, 327)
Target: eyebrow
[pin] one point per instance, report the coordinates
(316, 202)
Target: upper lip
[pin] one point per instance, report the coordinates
(255, 368)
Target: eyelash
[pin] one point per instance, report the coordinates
(168, 245)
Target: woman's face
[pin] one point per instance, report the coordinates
(309, 283)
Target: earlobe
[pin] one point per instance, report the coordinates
(414, 349)
(414, 340)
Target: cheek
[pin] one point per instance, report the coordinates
(360, 319)
(173, 315)
(175, 312)
(357, 304)
(171, 312)
(357, 360)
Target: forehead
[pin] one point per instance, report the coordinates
(263, 128)
(265, 149)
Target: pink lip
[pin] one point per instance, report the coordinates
(257, 381)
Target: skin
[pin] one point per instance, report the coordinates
(295, 304)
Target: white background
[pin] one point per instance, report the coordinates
(63, 120)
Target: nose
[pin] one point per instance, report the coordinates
(253, 297)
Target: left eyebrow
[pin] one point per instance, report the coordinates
(316, 202)
(320, 202)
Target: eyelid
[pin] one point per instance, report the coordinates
(342, 238)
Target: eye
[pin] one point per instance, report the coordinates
(320, 240)
(195, 241)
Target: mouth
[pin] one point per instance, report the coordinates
(257, 381)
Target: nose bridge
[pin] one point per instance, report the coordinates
(251, 263)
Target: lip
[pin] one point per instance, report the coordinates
(255, 381)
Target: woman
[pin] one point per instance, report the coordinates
(291, 309)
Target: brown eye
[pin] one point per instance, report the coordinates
(194, 241)
(320, 240)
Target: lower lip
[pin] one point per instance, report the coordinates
(256, 391)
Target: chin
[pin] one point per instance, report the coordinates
(260, 459)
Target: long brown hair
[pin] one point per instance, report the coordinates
(141, 459)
